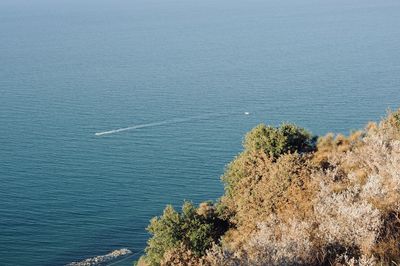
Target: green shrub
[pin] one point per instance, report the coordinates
(268, 140)
(190, 228)
(277, 141)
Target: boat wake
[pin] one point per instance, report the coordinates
(166, 122)
(102, 260)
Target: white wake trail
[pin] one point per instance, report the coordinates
(172, 121)
(130, 128)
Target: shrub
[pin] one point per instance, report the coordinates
(180, 256)
(281, 243)
(190, 229)
(269, 142)
(277, 141)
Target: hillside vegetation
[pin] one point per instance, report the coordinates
(294, 199)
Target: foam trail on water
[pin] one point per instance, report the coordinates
(130, 128)
(104, 259)
(172, 121)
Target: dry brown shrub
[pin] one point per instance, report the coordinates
(345, 260)
(180, 256)
(279, 242)
(280, 186)
(344, 194)
(219, 256)
(330, 147)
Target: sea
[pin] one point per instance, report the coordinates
(112, 109)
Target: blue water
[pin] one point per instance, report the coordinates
(70, 69)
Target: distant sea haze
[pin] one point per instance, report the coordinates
(111, 110)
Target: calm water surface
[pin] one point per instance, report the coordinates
(72, 68)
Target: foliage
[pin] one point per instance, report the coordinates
(195, 230)
(290, 202)
(180, 256)
(269, 142)
(268, 187)
(277, 141)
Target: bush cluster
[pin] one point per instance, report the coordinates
(291, 199)
(193, 230)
